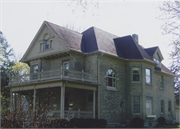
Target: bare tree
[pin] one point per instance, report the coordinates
(171, 15)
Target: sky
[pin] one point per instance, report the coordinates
(20, 20)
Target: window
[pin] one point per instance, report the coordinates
(148, 76)
(162, 106)
(46, 44)
(136, 74)
(136, 104)
(161, 82)
(148, 105)
(65, 68)
(157, 61)
(35, 71)
(35, 68)
(169, 106)
(110, 78)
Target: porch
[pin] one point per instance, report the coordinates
(65, 101)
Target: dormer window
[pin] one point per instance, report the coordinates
(158, 62)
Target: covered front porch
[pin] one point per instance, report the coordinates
(64, 99)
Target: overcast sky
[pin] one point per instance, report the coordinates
(20, 21)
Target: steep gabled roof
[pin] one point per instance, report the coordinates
(151, 50)
(71, 39)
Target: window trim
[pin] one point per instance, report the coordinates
(162, 107)
(136, 74)
(151, 105)
(136, 113)
(66, 69)
(169, 106)
(113, 79)
(148, 76)
(161, 82)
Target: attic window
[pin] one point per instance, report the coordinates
(157, 61)
(46, 44)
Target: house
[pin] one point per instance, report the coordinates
(95, 74)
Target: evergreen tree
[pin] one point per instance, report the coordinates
(6, 70)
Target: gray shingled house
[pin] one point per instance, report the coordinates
(95, 74)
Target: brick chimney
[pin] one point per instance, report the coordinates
(135, 38)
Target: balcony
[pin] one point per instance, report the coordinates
(59, 74)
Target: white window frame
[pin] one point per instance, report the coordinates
(65, 73)
(35, 73)
(137, 104)
(148, 76)
(149, 106)
(133, 74)
(111, 77)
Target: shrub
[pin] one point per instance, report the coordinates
(161, 121)
(76, 122)
(137, 122)
(88, 123)
(59, 123)
(101, 123)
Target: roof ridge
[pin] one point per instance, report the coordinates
(61, 27)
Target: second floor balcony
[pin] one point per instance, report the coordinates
(59, 74)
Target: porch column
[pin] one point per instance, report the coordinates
(19, 101)
(34, 101)
(93, 104)
(62, 100)
(11, 101)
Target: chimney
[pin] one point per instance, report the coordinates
(135, 38)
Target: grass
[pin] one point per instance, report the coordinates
(171, 126)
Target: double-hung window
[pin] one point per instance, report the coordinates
(46, 44)
(169, 106)
(136, 104)
(148, 76)
(161, 82)
(110, 78)
(136, 74)
(35, 71)
(162, 106)
(65, 68)
(148, 106)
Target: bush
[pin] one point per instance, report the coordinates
(8, 123)
(88, 123)
(137, 122)
(161, 121)
(59, 123)
(101, 123)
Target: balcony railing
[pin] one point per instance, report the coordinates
(59, 74)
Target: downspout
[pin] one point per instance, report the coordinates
(98, 79)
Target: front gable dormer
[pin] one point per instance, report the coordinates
(45, 42)
(155, 54)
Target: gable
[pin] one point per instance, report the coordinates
(37, 46)
(158, 54)
(154, 52)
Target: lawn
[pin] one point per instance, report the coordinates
(171, 126)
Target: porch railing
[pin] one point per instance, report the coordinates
(58, 74)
